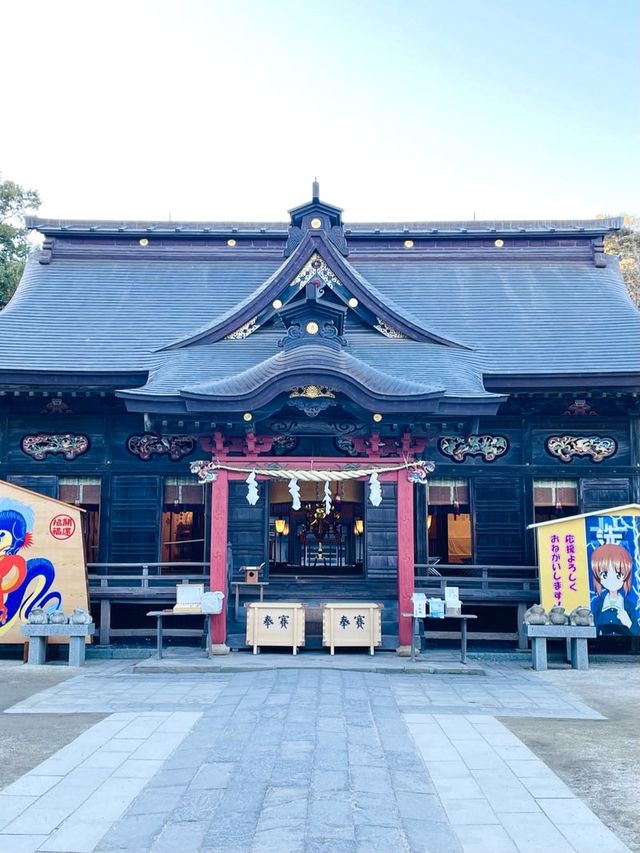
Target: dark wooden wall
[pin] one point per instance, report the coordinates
(501, 492)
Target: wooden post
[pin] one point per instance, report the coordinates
(105, 621)
(218, 576)
(406, 583)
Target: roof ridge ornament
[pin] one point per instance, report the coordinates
(316, 217)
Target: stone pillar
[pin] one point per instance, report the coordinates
(37, 650)
(539, 653)
(77, 646)
(579, 653)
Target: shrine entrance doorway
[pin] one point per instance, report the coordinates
(317, 539)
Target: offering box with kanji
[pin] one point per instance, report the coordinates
(351, 623)
(275, 623)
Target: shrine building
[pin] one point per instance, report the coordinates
(403, 398)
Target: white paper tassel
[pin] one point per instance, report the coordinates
(375, 490)
(252, 491)
(294, 491)
(327, 498)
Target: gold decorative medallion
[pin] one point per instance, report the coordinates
(312, 392)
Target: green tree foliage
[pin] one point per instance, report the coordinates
(15, 203)
(626, 244)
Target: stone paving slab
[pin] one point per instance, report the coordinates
(75, 799)
(190, 660)
(299, 760)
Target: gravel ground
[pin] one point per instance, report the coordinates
(598, 759)
(26, 740)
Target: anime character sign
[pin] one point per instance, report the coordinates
(41, 558)
(613, 554)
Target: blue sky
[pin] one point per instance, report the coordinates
(406, 110)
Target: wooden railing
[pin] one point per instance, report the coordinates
(479, 581)
(154, 583)
(486, 586)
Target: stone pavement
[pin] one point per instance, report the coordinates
(299, 761)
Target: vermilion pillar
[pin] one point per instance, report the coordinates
(406, 584)
(218, 576)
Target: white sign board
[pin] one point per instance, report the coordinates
(419, 600)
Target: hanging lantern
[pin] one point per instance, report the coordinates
(279, 525)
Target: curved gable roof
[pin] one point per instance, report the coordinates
(257, 306)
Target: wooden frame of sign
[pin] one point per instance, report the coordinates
(42, 558)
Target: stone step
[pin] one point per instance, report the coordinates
(237, 641)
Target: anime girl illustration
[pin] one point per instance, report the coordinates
(23, 583)
(613, 611)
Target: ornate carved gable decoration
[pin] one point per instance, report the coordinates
(149, 444)
(244, 331)
(387, 330)
(488, 447)
(312, 391)
(312, 399)
(580, 407)
(316, 268)
(565, 447)
(67, 445)
(56, 407)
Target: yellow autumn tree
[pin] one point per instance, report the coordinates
(626, 244)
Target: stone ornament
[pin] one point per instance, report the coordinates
(536, 615)
(488, 447)
(79, 616)
(37, 616)
(581, 616)
(565, 447)
(43, 444)
(557, 615)
(150, 444)
(58, 617)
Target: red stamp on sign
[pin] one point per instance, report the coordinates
(62, 527)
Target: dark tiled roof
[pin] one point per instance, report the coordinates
(60, 227)
(517, 315)
(549, 317)
(383, 365)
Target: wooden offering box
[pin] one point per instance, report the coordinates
(275, 623)
(252, 573)
(351, 623)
